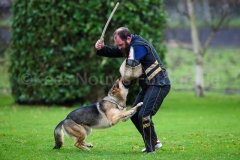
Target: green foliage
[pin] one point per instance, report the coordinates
(201, 129)
(52, 50)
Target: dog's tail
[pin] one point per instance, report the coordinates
(59, 135)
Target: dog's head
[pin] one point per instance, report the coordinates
(118, 90)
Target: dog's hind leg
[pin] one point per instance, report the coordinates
(77, 132)
(89, 130)
(87, 144)
(79, 142)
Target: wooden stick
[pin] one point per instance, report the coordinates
(106, 25)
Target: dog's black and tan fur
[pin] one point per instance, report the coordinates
(106, 113)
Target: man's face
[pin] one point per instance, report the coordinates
(124, 46)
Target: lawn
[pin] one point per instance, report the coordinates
(189, 128)
(221, 69)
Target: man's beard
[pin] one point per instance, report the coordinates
(126, 50)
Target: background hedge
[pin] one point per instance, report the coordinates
(53, 59)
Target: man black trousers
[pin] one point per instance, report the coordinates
(152, 98)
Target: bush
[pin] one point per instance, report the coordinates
(53, 59)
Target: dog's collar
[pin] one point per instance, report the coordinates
(113, 101)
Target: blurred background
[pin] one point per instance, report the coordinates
(221, 58)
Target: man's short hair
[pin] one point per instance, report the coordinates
(123, 33)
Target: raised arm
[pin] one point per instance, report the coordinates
(106, 51)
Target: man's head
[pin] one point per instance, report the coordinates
(122, 38)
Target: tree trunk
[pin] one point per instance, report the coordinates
(199, 81)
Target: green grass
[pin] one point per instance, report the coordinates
(189, 128)
(221, 69)
(5, 23)
(235, 23)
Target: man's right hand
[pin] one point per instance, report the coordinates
(99, 45)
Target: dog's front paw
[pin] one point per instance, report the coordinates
(137, 106)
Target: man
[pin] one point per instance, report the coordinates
(154, 81)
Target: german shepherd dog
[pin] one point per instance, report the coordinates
(104, 114)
